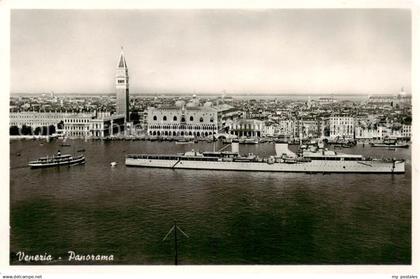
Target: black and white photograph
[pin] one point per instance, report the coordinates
(211, 137)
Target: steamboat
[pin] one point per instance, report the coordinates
(391, 144)
(57, 160)
(313, 159)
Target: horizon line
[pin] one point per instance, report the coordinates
(209, 94)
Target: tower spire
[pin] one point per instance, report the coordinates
(122, 63)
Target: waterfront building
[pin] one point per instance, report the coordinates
(286, 128)
(181, 120)
(36, 119)
(380, 132)
(106, 124)
(70, 124)
(368, 132)
(122, 88)
(342, 127)
(304, 129)
(270, 130)
(246, 127)
(76, 125)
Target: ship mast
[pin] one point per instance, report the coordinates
(300, 130)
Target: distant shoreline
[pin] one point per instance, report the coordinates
(265, 95)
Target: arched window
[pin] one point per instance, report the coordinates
(175, 118)
(183, 119)
(191, 118)
(201, 119)
(211, 120)
(155, 118)
(164, 118)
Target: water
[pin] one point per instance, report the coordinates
(230, 217)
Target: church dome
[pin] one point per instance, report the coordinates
(180, 103)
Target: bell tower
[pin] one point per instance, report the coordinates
(121, 84)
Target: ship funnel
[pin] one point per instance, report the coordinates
(235, 147)
(282, 148)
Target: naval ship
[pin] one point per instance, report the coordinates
(315, 159)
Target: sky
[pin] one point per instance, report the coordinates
(266, 51)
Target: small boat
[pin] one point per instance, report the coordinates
(65, 144)
(113, 164)
(390, 145)
(81, 150)
(57, 160)
(248, 140)
(184, 141)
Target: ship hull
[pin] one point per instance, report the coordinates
(315, 166)
(390, 145)
(78, 161)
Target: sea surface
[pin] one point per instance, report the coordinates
(230, 217)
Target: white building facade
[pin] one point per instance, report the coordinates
(185, 121)
(246, 128)
(73, 125)
(342, 127)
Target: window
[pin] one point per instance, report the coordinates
(155, 118)
(183, 119)
(120, 81)
(211, 120)
(201, 119)
(191, 118)
(175, 118)
(164, 118)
